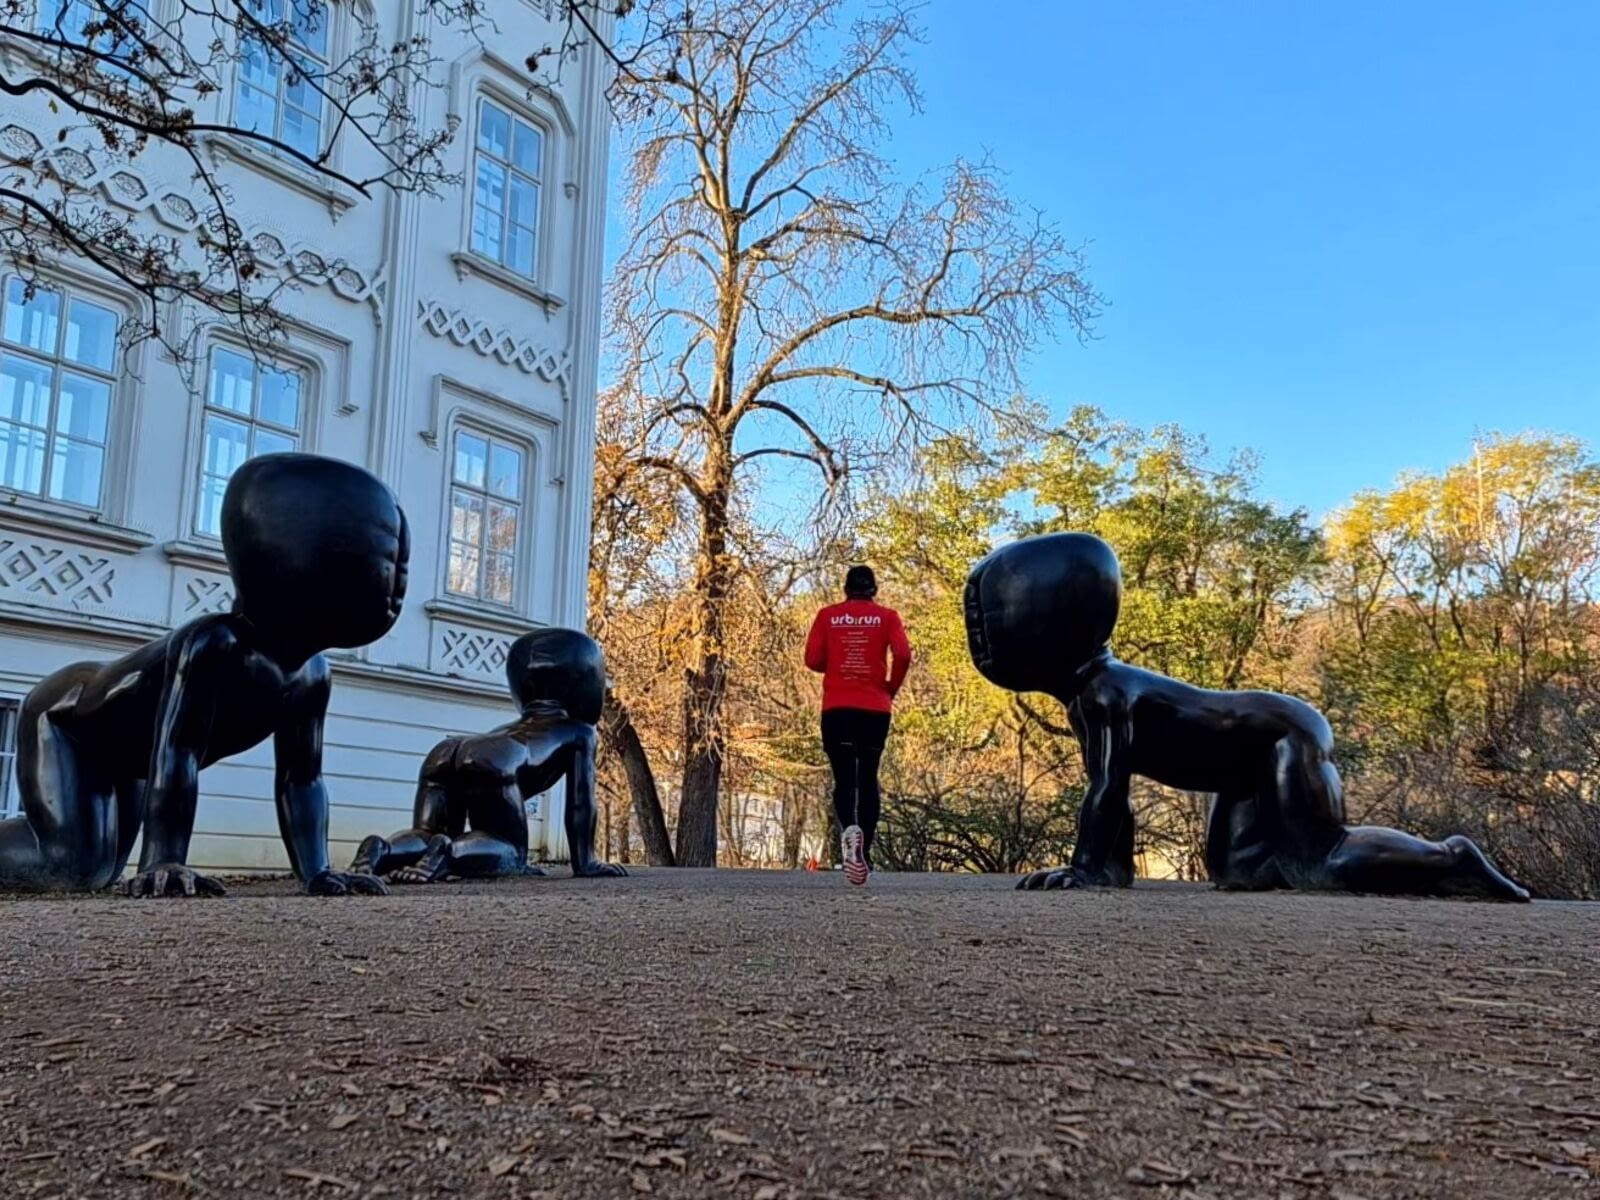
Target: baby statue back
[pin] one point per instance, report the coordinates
(1040, 613)
(318, 551)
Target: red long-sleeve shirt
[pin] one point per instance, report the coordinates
(848, 643)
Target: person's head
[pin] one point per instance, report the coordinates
(561, 666)
(1039, 609)
(860, 583)
(317, 549)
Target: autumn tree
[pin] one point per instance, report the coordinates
(1460, 650)
(786, 304)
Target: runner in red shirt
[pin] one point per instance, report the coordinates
(848, 644)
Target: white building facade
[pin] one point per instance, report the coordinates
(448, 343)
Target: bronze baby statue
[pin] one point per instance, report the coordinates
(1040, 613)
(317, 549)
(558, 679)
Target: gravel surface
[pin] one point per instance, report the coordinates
(767, 1035)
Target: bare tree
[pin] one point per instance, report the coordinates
(787, 305)
(96, 84)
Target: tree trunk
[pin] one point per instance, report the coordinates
(702, 764)
(706, 681)
(623, 738)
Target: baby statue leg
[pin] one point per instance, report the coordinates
(432, 814)
(68, 834)
(1369, 858)
(1373, 859)
(1239, 848)
(497, 844)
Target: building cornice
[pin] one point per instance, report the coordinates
(85, 529)
(496, 621)
(203, 555)
(466, 263)
(413, 680)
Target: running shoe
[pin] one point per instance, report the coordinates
(852, 843)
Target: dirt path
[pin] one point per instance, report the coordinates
(765, 1036)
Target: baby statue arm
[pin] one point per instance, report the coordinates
(582, 814)
(182, 717)
(1103, 853)
(302, 797)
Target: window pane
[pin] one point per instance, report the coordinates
(269, 12)
(526, 148)
(502, 529)
(491, 188)
(298, 89)
(232, 382)
(258, 111)
(91, 335)
(75, 472)
(505, 472)
(463, 569)
(269, 441)
(25, 391)
(209, 518)
(486, 232)
(497, 578)
(302, 131)
(84, 405)
(466, 518)
(259, 68)
(32, 322)
(524, 202)
(310, 19)
(21, 458)
(472, 456)
(227, 445)
(519, 250)
(280, 398)
(494, 131)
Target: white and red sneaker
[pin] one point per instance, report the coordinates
(853, 843)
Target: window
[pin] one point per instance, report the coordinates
(485, 514)
(251, 408)
(9, 710)
(67, 19)
(505, 190)
(276, 97)
(57, 356)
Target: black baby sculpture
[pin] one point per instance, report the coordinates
(317, 549)
(1039, 615)
(558, 679)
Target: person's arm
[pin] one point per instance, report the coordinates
(817, 646)
(899, 655)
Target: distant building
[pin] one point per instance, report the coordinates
(447, 343)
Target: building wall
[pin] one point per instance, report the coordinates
(403, 336)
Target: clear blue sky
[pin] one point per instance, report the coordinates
(1346, 233)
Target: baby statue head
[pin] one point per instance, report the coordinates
(1038, 610)
(317, 548)
(559, 666)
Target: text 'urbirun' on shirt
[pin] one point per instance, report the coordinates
(861, 649)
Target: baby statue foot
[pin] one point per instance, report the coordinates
(432, 867)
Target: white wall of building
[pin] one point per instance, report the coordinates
(402, 336)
